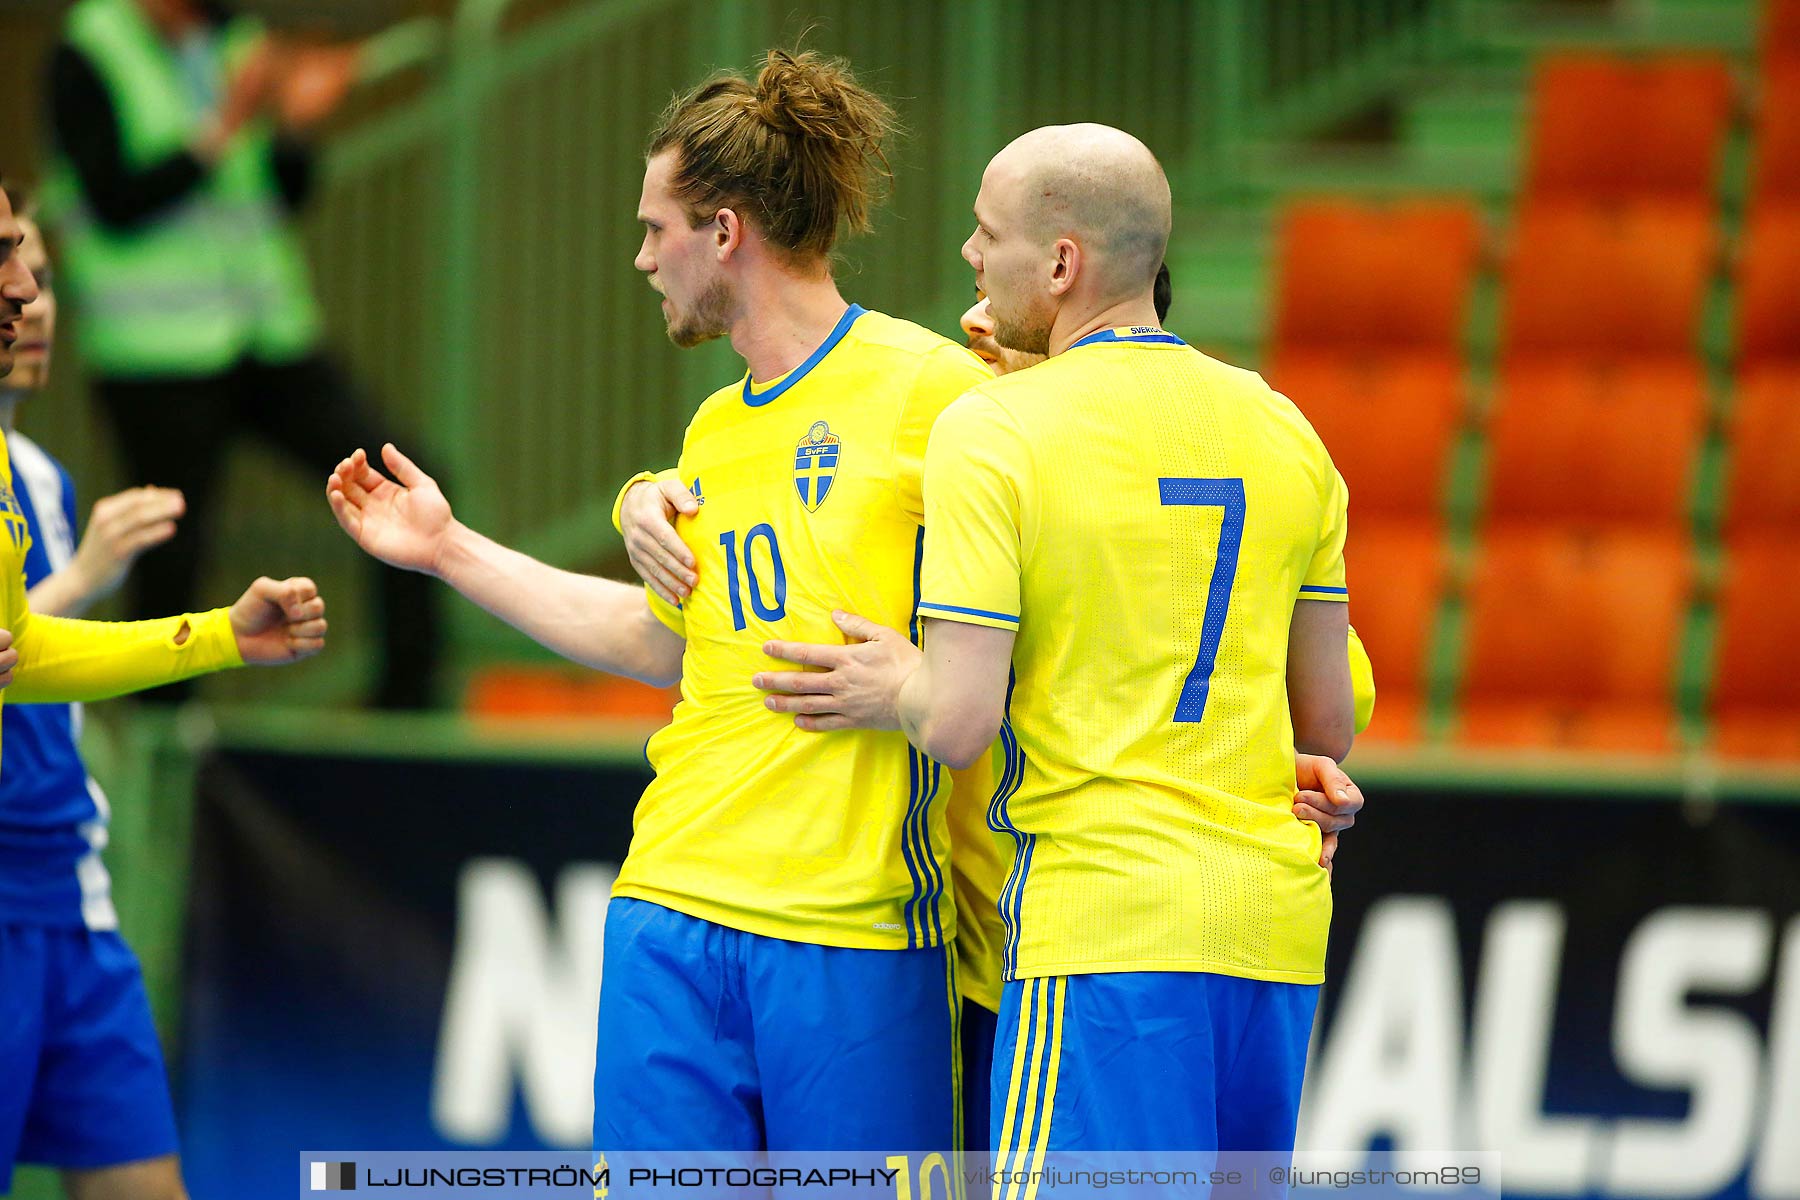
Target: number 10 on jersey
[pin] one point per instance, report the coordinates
(765, 611)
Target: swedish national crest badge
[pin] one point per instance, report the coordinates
(14, 517)
(816, 464)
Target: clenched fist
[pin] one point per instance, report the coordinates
(279, 621)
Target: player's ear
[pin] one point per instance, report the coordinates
(728, 233)
(1065, 267)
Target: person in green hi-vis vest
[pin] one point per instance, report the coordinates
(174, 182)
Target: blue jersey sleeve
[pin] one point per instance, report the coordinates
(68, 495)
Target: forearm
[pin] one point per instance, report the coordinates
(1323, 727)
(953, 705)
(64, 593)
(945, 730)
(62, 659)
(1328, 744)
(599, 623)
(914, 706)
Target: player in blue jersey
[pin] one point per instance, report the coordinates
(82, 1085)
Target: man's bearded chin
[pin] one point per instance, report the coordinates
(1028, 333)
(709, 319)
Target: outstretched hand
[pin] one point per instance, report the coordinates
(279, 621)
(405, 524)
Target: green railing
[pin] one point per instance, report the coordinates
(473, 244)
(1308, 64)
(499, 210)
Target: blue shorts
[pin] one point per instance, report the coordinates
(715, 1039)
(81, 1072)
(1154, 1060)
(978, 1028)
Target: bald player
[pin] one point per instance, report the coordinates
(979, 860)
(1135, 578)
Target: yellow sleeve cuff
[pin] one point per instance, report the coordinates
(969, 616)
(640, 477)
(213, 641)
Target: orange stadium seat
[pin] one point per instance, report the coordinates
(1397, 571)
(1756, 677)
(1775, 170)
(1768, 319)
(1591, 280)
(1595, 439)
(1388, 421)
(1368, 278)
(1762, 492)
(1615, 129)
(508, 692)
(1781, 32)
(1572, 637)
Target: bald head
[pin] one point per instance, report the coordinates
(1071, 225)
(1095, 185)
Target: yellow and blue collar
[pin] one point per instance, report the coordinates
(1144, 334)
(756, 399)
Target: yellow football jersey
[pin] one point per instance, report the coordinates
(1146, 518)
(63, 659)
(981, 856)
(810, 501)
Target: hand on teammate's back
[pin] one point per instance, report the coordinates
(9, 658)
(658, 555)
(123, 526)
(1328, 798)
(404, 523)
(278, 621)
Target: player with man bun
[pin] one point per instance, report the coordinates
(779, 970)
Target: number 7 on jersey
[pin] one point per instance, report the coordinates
(1227, 494)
